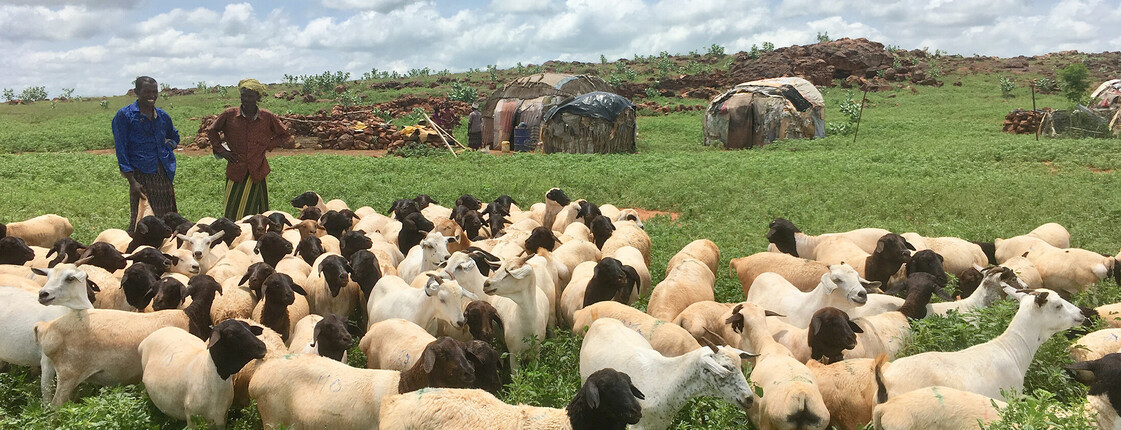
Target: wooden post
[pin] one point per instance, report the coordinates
(1033, 110)
(860, 115)
(430, 121)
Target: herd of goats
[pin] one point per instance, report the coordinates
(447, 302)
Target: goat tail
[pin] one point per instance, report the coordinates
(881, 389)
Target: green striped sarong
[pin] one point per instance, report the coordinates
(246, 198)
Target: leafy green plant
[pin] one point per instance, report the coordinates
(652, 90)
(164, 86)
(67, 93)
(369, 76)
(1006, 86)
(823, 37)
(603, 59)
(104, 104)
(224, 91)
(754, 52)
(1039, 410)
(417, 149)
(350, 98)
(33, 94)
(201, 87)
(9, 94)
(492, 70)
(1073, 81)
(715, 50)
(768, 47)
(1044, 85)
(892, 49)
(463, 93)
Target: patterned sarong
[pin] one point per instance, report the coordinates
(160, 191)
(246, 198)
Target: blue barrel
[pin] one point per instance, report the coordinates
(521, 140)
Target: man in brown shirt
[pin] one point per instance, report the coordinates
(242, 135)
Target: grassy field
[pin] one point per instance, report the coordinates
(931, 161)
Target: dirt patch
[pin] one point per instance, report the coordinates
(1051, 166)
(1103, 171)
(646, 214)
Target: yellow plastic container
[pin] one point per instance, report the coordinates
(505, 146)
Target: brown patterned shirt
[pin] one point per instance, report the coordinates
(249, 139)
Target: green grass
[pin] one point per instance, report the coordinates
(932, 162)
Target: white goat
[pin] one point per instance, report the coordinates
(309, 391)
(206, 249)
(936, 408)
(668, 383)
(432, 252)
(528, 306)
(995, 365)
(440, 299)
(841, 288)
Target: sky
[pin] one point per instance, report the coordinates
(97, 47)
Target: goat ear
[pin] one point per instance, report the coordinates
(521, 272)
(827, 281)
(244, 278)
(773, 314)
(296, 288)
(92, 285)
(256, 330)
(637, 394)
(855, 328)
(497, 320)
(879, 247)
(432, 286)
(941, 293)
(428, 360)
(174, 259)
(632, 274)
(591, 395)
(215, 336)
(909, 246)
(51, 252)
(257, 248)
(1041, 299)
(40, 272)
(815, 326)
(315, 334)
(452, 239)
(870, 285)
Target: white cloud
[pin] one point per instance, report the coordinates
(381, 6)
(67, 23)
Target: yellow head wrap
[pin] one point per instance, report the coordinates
(254, 85)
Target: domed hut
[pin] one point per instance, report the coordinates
(526, 99)
(758, 112)
(594, 123)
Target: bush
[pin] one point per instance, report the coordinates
(768, 47)
(823, 37)
(1006, 87)
(9, 94)
(463, 93)
(1073, 80)
(715, 50)
(67, 93)
(31, 94)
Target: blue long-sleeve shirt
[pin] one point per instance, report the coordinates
(143, 144)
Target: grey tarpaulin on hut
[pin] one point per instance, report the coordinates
(758, 112)
(551, 88)
(597, 122)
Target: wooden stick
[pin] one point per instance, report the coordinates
(430, 121)
(445, 132)
(860, 115)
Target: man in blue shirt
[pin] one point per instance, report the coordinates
(144, 139)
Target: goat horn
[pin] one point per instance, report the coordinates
(83, 260)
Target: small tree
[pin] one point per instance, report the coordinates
(768, 47)
(1006, 87)
(9, 94)
(32, 94)
(823, 37)
(1073, 80)
(715, 50)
